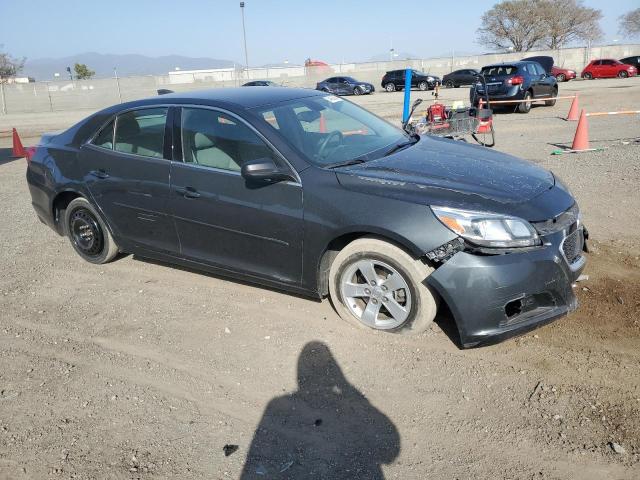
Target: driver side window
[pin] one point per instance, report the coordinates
(213, 139)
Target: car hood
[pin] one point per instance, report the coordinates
(438, 171)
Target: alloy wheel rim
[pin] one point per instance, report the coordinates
(376, 294)
(86, 233)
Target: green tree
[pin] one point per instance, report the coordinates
(83, 72)
(630, 23)
(9, 66)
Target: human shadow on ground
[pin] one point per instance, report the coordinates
(6, 156)
(327, 429)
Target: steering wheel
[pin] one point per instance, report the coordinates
(326, 141)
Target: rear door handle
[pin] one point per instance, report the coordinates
(99, 174)
(188, 192)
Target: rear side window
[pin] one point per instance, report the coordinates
(499, 71)
(104, 138)
(141, 132)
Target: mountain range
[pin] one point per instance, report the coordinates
(130, 64)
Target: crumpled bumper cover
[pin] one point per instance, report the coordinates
(481, 289)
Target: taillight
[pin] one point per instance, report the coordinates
(517, 80)
(29, 153)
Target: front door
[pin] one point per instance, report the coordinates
(129, 178)
(222, 220)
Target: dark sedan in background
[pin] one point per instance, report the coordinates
(467, 76)
(261, 83)
(345, 86)
(310, 193)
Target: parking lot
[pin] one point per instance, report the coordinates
(136, 369)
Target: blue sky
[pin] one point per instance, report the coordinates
(277, 30)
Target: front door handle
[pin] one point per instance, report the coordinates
(188, 192)
(99, 174)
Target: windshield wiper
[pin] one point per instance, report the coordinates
(414, 139)
(345, 163)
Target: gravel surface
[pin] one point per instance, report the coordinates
(141, 370)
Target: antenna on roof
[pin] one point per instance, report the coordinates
(164, 91)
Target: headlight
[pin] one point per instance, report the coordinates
(488, 229)
(430, 79)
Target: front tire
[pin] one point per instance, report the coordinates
(423, 86)
(357, 91)
(525, 106)
(375, 284)
(587, 76)
(390, 87)
(449, 84)
(623, 74)
(88, 233)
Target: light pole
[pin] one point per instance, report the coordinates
(244, 36)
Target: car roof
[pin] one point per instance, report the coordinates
(245, 97)
(514, 64)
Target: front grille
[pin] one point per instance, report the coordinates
(572, 246)
(564, 221)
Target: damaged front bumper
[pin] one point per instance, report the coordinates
(493, 297)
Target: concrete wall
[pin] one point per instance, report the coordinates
(99, 93)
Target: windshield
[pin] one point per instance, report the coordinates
(499, 70)
(328, 130)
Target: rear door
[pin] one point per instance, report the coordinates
(545, 81)
(127, 175)
(598, 69)
(332, 84)
(222, 220)
(609, 68)
(468, 77)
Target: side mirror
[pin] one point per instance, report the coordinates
(263, 170)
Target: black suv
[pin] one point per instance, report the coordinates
(524, 80)
(394, 80)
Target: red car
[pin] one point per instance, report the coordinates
(563, 74)
(608, 68)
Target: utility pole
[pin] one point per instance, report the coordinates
(115, 73)
(244, 36)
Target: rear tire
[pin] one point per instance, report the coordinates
(390, 87)
(561, 77)
(551, 103)
(397, 301)
(623, 74)
(88, 233)
(525, 106)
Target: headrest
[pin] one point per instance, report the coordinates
(200, 141)
(127, 126)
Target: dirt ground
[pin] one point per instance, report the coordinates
(140, 370)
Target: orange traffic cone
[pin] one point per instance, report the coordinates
(323, 124)
(572, 116)
(581, 139)
(18, 149)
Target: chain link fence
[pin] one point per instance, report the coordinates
(94, 94)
